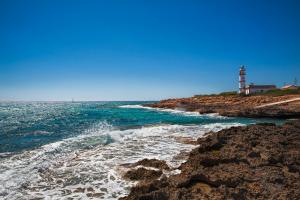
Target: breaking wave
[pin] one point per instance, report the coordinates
(88, 165)
(62, 150)
(175, 111)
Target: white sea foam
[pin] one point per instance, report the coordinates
(175, 111)
(132, 106)
(56, 170)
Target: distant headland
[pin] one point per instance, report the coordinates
(255, 101)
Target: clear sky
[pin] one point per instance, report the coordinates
(143, 50)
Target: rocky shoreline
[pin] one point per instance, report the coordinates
(254, 162)
(236, 106)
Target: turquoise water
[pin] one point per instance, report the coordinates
(30, 125)
(49, 149)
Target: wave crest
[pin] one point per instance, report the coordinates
(70, 164)
(176, 111)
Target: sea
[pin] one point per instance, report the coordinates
(79, 150)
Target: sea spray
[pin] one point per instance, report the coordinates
(76, 150)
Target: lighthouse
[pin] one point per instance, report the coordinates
(242, 80)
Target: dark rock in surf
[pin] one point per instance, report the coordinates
(155, 163)
(142, 174)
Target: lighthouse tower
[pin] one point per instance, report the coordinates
(242, 80)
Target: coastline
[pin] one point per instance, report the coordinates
(89, 164)
(236, 106)
(105, 152)
(253, 162)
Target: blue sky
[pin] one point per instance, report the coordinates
(143, 50)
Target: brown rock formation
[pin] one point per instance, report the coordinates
(253, 162)
(142, 174)
(155, 163)
(236, 106)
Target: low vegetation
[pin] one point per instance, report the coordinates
(276, 92)
(229, 93)
(279, 92)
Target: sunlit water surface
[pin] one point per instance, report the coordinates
(61, 150)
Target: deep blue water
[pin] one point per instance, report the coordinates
(28, 125)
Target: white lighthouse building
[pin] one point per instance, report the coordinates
(242, 80)
(252, 88)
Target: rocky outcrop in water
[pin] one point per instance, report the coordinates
(254, 162)
(155, 163)
(146, 169)
(142, 173)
